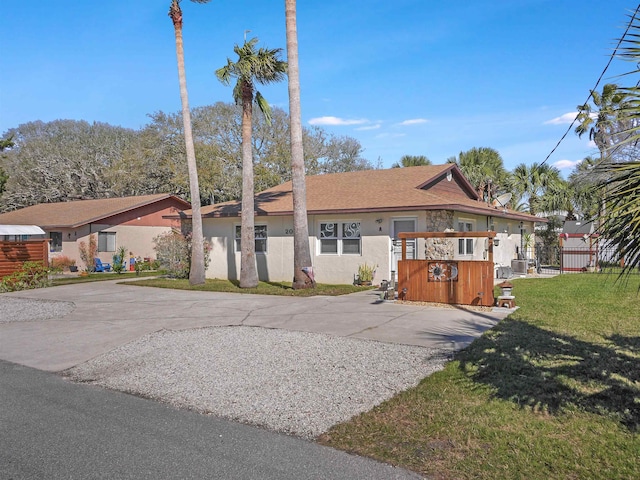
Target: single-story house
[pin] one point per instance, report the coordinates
(355, 218)
(131, 222)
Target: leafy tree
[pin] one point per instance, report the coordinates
(88, 253)
(4, 144)
(262, 66)
(411, 161)
(484, 168)
(197, 273)
(62, 160)
(302, 276)
(83, 160)
(173, 251)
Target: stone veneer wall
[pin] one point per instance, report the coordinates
(439, 248)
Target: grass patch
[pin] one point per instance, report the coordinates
(553, 391)
(100, 277)
(263, 288)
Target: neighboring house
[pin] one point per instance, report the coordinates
(355, 217)
(131, 222)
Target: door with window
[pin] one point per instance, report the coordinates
(402, 225)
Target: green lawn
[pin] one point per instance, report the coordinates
(263, 288)
(214, 285)
(552, 392)
(99, 277)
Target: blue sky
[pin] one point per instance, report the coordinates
(416, 77)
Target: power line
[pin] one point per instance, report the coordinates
(615, 51)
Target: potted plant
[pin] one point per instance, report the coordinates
(366, 273)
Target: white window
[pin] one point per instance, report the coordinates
(340, 238)
(465, 245)
(260, 232)
(106, 241)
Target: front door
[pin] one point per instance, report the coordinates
(402, 225)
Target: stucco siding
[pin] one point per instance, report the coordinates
(376, 246)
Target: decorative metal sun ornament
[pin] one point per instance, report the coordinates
(443, 272)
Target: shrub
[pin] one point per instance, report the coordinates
(88, 253)
(119, 264)
(31, 275)
(61, 262)
(174, 253)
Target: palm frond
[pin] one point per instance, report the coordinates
(264, 106)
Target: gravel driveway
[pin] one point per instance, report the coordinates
(293, 382)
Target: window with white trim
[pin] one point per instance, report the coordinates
(260, 233)
(340, 238)
(106, 241)
(465, 245)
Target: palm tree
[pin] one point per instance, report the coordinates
(411, 161)
(620, 220)
(196, 273)
(587, 196)
(302, 268)
(531, 182)
(484, 168)
(262, 66)
(605, 125)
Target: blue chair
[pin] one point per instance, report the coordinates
(101, 267)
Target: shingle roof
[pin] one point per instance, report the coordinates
(395, 189)
(80, 212)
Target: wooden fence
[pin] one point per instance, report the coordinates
(460, 282)
(14, 254)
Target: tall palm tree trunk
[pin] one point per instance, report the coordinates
(197, 274)
(302, 268)
(248, 272)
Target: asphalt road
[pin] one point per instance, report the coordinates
(53, 429)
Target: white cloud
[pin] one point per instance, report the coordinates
(564, 119)
(566, 164)
(336, 121)
(414, 121)
(369, 127)
(592, 144)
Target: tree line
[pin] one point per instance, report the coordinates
(69, 159)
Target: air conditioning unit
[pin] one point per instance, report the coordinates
(519, 267)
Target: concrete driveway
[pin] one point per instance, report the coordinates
(105, 315)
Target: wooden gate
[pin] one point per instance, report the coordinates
(461, 282)
(14, 254)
